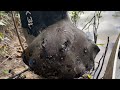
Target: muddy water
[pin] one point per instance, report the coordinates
(109, 26)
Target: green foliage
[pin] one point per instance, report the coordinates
(3, 46)
(100, 44)
(5, 71)
(88, 76)
(98, 14)
(3, 50)
(1, 36)
(74, 15)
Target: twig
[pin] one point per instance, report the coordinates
(95, 26)
(89, 26)
(103, 59)
(97, 66)
(18, 74)
(16, 30)
(88, 22)
(98, 19)
(5, 60)
(94, 30)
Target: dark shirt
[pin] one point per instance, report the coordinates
(41, 19)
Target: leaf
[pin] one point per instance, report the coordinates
(89, 76)
(6, 71)
(100, 44)
(1, 36)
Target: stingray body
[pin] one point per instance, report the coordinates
(61, 51)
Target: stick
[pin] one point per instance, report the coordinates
(103, 59)
(88, 22)
(17, 30)
(97, 66)
(19, 74)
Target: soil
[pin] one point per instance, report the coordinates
(10, 53)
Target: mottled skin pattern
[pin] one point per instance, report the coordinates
(61, 51)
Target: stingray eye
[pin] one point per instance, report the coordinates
(32, 62)
(85, 50)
